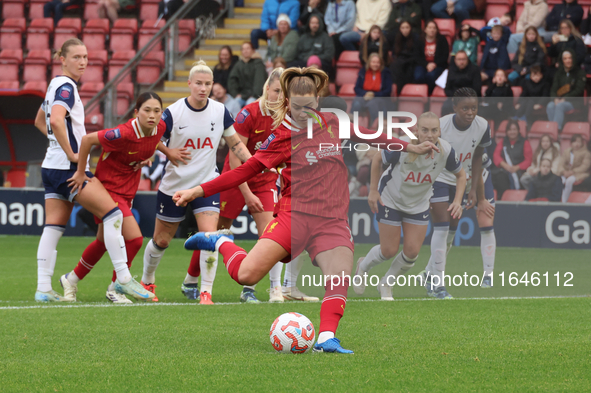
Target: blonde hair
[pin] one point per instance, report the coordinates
(427, 115)
(63, 51)
(297, 81)
(371, 56)
(200, 67)
(275, 75)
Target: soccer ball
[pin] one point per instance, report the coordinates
(292, 333)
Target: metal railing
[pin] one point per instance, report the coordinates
(169, 32)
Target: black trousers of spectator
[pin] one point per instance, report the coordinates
(403, 72)
(57, 8)
(338, 47)
(501, 181)
(256, 35)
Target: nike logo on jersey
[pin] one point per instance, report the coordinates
(180, 128)
(215, 203)
(294, 147)
(133, 152)
(258, 131)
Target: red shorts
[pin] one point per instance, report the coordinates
(232, 201)
(123, 204)
(297, 232)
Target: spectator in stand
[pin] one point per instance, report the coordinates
(314, 47)
(374, 42)
(311, 7)
(462, 73)
(153, 171)
(226, 61)
(435, 50)
(467, 41)
(546, 150)
(533, 15)
(271, 11)
(512, 158)
(374, 83)
(574, 165)
(569, 9)
(446, 8)
(498, 105)
(568, 37)
(534, 96)
(494, 55)
(504, 21)
(586, 28)
(406, 55)
(56, 8)
(248, 76)
(368, 13)
(284, 43)
(545, 184)
(569, 82)
(403, 10)
(339, 19)
(532, 52)
(219, 94)
(110, 8)
(279, 62)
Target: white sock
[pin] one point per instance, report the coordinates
(152, 256)
(208, 262)
(111, 287)
(436, 266)
(221, 241)
(400, 265)
(373, 258)
(488, 247)
(324, 336)
(73, 278)
(275, 274)
(47, 255)
(115, 244)
(292, 271)
(450, 239)
(249, 287)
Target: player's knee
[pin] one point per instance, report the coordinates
(161, 242)
(388, 251)
(248, 277)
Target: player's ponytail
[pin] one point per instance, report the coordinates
(427, 115)
(63, 51)
(200, 67)
(300, 82)
(275, 75)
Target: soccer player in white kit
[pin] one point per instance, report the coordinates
(469, 135)
(402, 203)
(61, 119)
(197, 124)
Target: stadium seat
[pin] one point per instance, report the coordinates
(500, 132)
(87, 92)
(11, 33)
(145, 185)
(9, 85)
(149, 10)
(127, 89)
(66, 28)
(35, 68)
(447, 27)
(150, 67)
(40, 86)
(91, 10)
(93, 122)
(97, 60)
(346, 75)
(349, 59)
(575, 128)
(413, 98)
(514, 195)
(117, 62)
(94, 33)
(347, 90)
(579, 197)
(333, 89)
(475, 23)
(10, 61)
(149, 30)
(38, 33)
(16, 178)
(540, 128)
(518, 11)
(56, 68)
(13, 9)
(36, 9)
(123, 35)
(437, 100)
(186, 34)
(496, 10)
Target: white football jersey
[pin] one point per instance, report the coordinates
(408, 186)
(63, 91)
(464, 143)
(200, 131)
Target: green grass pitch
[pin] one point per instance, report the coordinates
(506, 339)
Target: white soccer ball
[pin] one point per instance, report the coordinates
(292, 333)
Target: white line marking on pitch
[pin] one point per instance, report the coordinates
(107, 305)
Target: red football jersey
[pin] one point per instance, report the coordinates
(124, 147)
(254, 123)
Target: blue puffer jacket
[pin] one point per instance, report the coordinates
(272, 9)
(495, 56)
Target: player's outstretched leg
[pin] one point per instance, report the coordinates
(289, 289)
(207, 240)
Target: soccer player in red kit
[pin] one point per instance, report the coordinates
(124, 149)
(312, 213)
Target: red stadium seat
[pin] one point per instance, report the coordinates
(93, 122)
(347, 90)
(514, 195)
(91, 10)
(437, 100)
(9, 85)
(540, 128)
(149, 10)
(186, 34)
(117, 62)
(579, 197)
(447, 27)
(16, 178)
(496, 10)
(11, 33)
(149, 30)
(346, 75)
(13, 9)
(66, 28)
(94, 33)
(476, 23)
(575, 128)
(97, 61)
(123, 35)
(349, 59)
(145, 185)
(56, 68)
(38, 33)
(518, 11)
(40, 86)
(126, 89)
(500, 132)
(150, 67)
(333, 89)
(91, 88)
(35, 69)
(10, 61)
(413, 98)
(36, 9)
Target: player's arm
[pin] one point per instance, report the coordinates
(57, 121)
(376, 173)
(474, 194)
(175, 155)
(236, 146)
(483, 204)
(455, 208)
(252, 201)
(40, 121)
(79, 177)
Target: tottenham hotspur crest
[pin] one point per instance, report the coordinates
(212, 124)
(161, 208)
(473, 142)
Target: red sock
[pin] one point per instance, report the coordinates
(333, 305)
(233, 257)
(132, 247)
(194, 267)
(91, 255)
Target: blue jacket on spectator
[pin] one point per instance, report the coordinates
(386, 83)
(272, 9)
(495, 56)
(340, 18)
